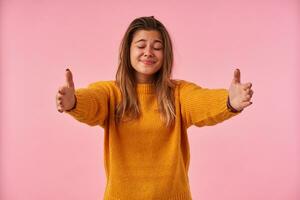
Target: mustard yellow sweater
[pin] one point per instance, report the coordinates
(143, 159)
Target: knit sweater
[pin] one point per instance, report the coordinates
(144, 159)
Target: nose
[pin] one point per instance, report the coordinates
(148, 52)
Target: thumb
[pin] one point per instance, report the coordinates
(236, 76)
(69, 79)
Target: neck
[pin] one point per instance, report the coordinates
(144, 79)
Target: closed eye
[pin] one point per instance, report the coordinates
(157, 49)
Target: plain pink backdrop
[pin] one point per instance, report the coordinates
(46, 155)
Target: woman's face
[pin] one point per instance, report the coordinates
(146, 54)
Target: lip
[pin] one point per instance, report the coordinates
(148, 62)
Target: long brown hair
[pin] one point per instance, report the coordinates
(125, 78)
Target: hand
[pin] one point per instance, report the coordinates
(239, 94)
(65, 97)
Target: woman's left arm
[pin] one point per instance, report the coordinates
(206, 107)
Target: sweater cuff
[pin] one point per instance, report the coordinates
(83, 100)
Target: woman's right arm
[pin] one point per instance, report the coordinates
(87, 105)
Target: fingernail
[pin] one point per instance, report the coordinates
(67, 69)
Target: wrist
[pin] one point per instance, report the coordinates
(232, 109)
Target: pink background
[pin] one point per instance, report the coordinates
(46, 155)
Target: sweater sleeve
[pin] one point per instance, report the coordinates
(203, 107)
(92, 105)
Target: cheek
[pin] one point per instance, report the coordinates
(160, 56)
(134, 55)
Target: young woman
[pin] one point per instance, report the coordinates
(146, 114)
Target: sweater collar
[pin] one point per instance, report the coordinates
(145, 88)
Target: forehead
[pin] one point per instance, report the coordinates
(151, 35)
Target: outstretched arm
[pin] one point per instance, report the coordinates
(88, 105)
(206, 107)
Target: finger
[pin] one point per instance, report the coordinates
(59, 95)
(251, 93)
(69, 79)
(248, 91)
(59, 109)
(247, 98)
(62, 90)
(237, 76)
(60, 103)
(247, 86)
(246, 104)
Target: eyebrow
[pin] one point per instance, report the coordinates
(143, 40)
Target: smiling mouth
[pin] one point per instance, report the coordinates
(148, 62)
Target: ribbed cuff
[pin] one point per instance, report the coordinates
(83, 102)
